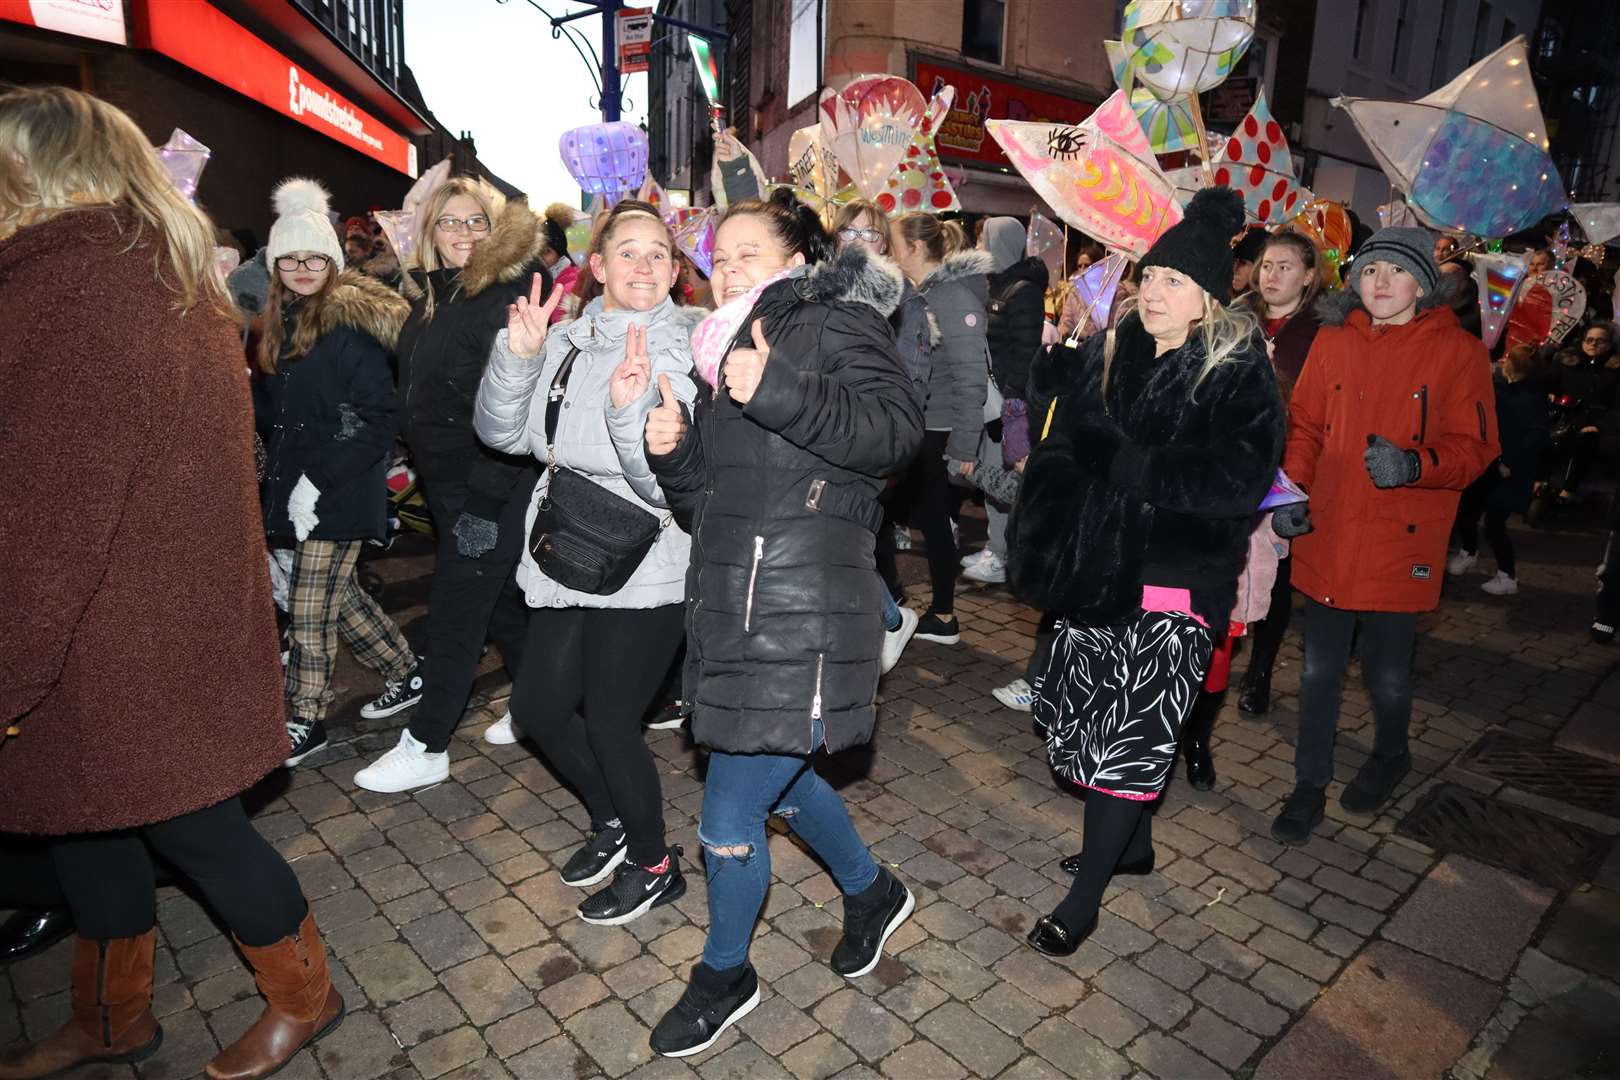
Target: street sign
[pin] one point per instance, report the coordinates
(635, 26)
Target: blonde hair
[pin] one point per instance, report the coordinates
(941, 239)
(852, 211)
(306, 323)
(490, 204)
(1225, 331)
(62, 150)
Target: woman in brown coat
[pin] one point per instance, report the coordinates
(139, 680)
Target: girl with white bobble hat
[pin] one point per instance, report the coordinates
(326, 410)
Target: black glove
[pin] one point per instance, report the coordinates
(1292, 520)
(475, 536)
(1389, 465)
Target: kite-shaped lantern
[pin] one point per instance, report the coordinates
(1499, 277)
(1044, 241)
(184, 158)
(869, 126)
(919, 181)
(1255, 162)
(1100, 175)
(1471, 156)
(1170, 124)
(1598, 220)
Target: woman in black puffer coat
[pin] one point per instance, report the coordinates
(779, 472)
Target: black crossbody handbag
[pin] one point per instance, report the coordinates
(585, 537)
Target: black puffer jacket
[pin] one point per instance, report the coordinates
(783, 599)
(1158, 487)
(332, 415)
(1017, 314)
(442, 358)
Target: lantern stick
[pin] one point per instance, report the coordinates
(1203, 138)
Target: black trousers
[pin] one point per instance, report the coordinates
(1384, 645)
(469, 601)
(1266, 636)
(1469, 512)
(588, 677)
(107, 881)
(933, 502)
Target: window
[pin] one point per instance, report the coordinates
(804, 51)
(982, 22)
(1552, 34)
(1363, 37)
(1448, 23)
(1403, 40)
(1482, 32)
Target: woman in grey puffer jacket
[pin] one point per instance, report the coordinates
(594, 662)
(954, 284)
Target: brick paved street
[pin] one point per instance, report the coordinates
(460, 955)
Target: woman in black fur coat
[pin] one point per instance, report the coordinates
(1133, 524)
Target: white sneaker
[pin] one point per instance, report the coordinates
(501, 732)
(1501, 585)
(895, 641)
(969, 560)
(1460, 563)
(990, 570)
(1015, 695)
(405, 767)
(902, 538)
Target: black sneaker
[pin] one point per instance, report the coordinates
(709, 1006)
(671, 716)
(1300, 814)
(1375, 782)
(869, 919)
(399, 696)
(1602, 633)
(634, 891)
(306, 739)
(945, 631)
(603, 852)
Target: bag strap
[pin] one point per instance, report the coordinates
(1108, 363)
(554, 402)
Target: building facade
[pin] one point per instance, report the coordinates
(680, 147)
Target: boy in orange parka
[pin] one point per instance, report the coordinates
(1392, 418)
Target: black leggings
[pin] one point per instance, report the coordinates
(933, 502)
(1117, 830)
(587, 679)
(106, 879)
(1266, 635)
(1468, 515)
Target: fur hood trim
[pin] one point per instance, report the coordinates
(1333, 308)
(856, 276)
(963, 264)
(935, 335)
(365, 304)
(514, 244)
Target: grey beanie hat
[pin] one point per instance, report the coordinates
(1411, 249)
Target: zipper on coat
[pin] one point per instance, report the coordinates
(1423, 411)
(815, 703)
(753, 578)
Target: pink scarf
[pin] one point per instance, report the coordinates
(715, 334)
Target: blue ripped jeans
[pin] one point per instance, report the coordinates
(743, 790)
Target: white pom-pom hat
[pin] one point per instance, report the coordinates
(303, 221)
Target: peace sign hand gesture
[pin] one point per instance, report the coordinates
(632, 377)
(528, 319)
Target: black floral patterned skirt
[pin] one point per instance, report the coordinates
(1112, 699)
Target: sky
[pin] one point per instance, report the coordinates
(494, 70)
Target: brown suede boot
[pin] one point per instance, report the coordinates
(301, 1005)
(112, 1012)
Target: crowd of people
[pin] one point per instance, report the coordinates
(627, 481)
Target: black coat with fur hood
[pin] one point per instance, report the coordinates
(442, 358)
(332, 415)
(1158, 487)
(784, 604)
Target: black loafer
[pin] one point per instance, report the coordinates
(1054, 939)
(30, 931)
(1071, 865)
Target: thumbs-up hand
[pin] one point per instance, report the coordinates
(666, 424)
(527, 321)
(629, 380)
(744, 368)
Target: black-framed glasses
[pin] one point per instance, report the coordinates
(313, 263)
(477, 223)
(849, 236)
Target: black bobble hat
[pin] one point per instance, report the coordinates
(1200, 245)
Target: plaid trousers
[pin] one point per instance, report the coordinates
(326, 603)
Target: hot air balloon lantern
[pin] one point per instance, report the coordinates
(609, 161)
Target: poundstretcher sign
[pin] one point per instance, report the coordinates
(202, 38)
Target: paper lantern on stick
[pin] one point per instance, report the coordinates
(869, 125)
(1549, 306)
(184, 159)
(1094, 289)
(1100, 175)
(609, 161)
(1168, 123)
(695, 240)
(919, 181)
(1599, 221)
(811, 162)
(1044, 241)
(1472, 156)
(1255, 162)
(1328, 227)
(1180, 47)
(1499, 278)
